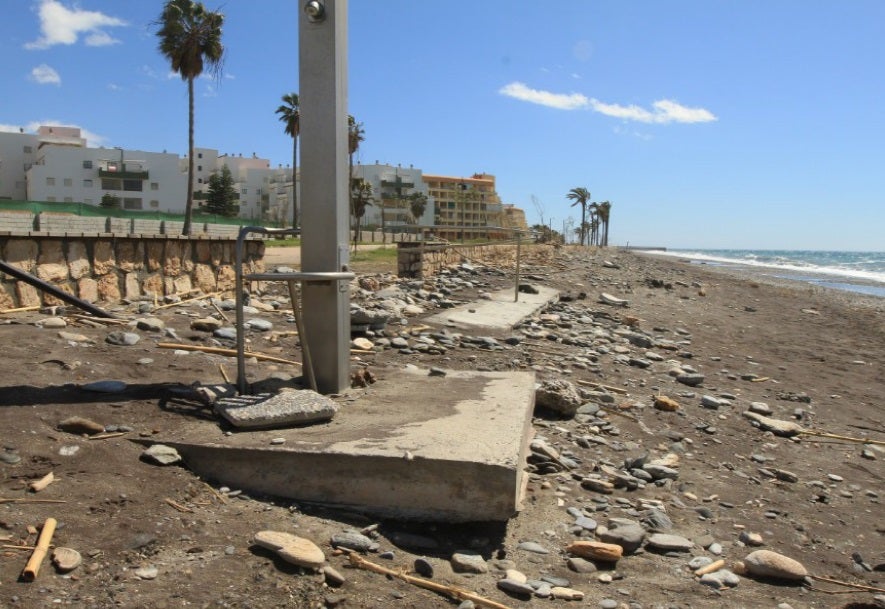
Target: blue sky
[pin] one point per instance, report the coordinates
(707, 124)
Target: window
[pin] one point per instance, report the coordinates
(87, 183)
(131, 203)
(155, 204)
(199, 155)
(87, 164)
(244, 191)
(111, 184)
(69, 200)
(155, 186)
(199, 168)
(132, 185)
(50, 181)
(28, 150)
(69, 182)
(199, 180)
(27, 166)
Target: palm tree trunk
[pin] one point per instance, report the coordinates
(583, 222)
(189, 206)
(295, 182)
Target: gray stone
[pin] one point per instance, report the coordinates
(513, 586)
(628, 536)
(227, 333)
(259, 325)
(775, 426)
(161, 454)
(534, 547)
(691, 379)
(559, 396)
(150, 324)
(466, 561)
(720, 579)
(73, 337)
(353, 540)
(713, 403)
(206, 324)
(660, 472)
(669, 543)
(53, 323)
(581, 565)
(148, 572)
(122, 339)
(760, 408)
(287, 408)
(423, 567)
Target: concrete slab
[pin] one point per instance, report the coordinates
(499, 313)
(267, 410)
(412, 446)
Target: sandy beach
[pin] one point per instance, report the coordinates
(812, 356)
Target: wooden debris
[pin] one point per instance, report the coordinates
(227, 352)
(451, 591)
(179, 507)
(40, 550)
(601, 386)
(21, 309)
(105, 436)
(29, 500)
(181, 302)
(596, 550)
(823, 434)
(42, 483)
(847, 584)
(713, 566)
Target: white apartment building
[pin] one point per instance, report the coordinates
(391, 187)
(55, 166)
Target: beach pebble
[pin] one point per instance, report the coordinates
(122, 339)
(353, 540)
(66, 559)
(423, 567)
(147, 572)
(515, 587)
(291, 548)
(332, 576)
(751, 539)
(161, 454)
(81, 425)
(691, 379)
(568, 594)
(669, 543)
(468, 562)
(532, 546)
(766, 563)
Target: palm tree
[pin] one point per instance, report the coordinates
(290, 115)
(580, 196)
(360, 198)
(190, 38)
(593, 208)
(417, 205)
(355, 135)
(604, 210)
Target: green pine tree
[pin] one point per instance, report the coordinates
(221, 198)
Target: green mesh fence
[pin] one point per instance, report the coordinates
(82, 209)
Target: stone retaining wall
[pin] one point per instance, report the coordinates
(427, 258)
(108, 269)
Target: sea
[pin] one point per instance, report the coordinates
(859, 272)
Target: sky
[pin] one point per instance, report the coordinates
(705, 123)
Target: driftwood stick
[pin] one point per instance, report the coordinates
(601, 386)
(178, 506)
(227, 352)
(38, 485)
(42, 547)
(21, 309)
(105, 436)
(220, 312)
(823, 434)
(30, 500)
(848, 584)
(223, 374)
(451, 591)
(713, 566)
(181, 302)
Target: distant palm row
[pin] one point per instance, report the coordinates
(597, 225)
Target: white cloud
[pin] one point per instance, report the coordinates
(61, 25)
(45, 75)
(4, 128)
(114, 87)
(560, 101)
(662, 111)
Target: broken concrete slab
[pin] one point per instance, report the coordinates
(266, 410)
(449, 448)
(499, 312)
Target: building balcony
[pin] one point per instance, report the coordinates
(123, 175)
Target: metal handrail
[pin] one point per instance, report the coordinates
(290, 278)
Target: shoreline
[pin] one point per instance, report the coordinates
(798, 280)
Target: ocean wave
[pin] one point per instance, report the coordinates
(833, 264)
